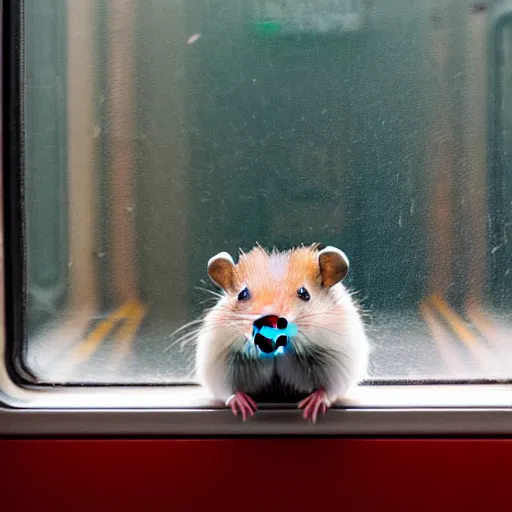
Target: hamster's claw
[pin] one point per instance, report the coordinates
(313, 404)
(243, 403)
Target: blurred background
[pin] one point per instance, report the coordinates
(160, 132)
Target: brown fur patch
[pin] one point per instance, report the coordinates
(221, 272)
(333, 268)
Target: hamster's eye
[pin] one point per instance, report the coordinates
(303, 294)
(244, 294)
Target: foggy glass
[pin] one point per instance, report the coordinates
(161, 132)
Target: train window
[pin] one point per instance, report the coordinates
(156, 134)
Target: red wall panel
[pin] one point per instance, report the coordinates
(255, 474)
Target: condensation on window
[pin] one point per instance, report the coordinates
(160, 133)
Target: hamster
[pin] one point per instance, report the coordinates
(327, 352)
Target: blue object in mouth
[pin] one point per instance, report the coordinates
(269, 342)
(274, 332)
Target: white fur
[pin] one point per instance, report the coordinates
(213, 343)
(334, 324)
(211, 366)
(345, 337)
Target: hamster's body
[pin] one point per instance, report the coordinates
(326, 356)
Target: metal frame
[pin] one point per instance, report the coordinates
(465, 410)
(386, 410)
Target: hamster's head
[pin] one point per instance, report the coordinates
(301, 285)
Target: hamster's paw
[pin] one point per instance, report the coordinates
(240, 402)
(317, 402)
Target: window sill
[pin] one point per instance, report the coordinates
(187, 411)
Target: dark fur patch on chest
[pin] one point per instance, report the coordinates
(263, 379)
(277, 391)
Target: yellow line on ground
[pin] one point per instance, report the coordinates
(442, 339)
(486, 358)
(464, 333)
(85, 349)
(125, 336)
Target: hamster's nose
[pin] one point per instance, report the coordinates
(272, 321)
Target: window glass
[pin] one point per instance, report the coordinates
(160, 133)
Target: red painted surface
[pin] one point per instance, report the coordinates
(262, 475)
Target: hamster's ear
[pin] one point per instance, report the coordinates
(220, 270)
(333, 266)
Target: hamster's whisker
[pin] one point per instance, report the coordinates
(182, 341)
(215, 294)
(192, 335)
(186, 326)
(207, 300)
(238, 316)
